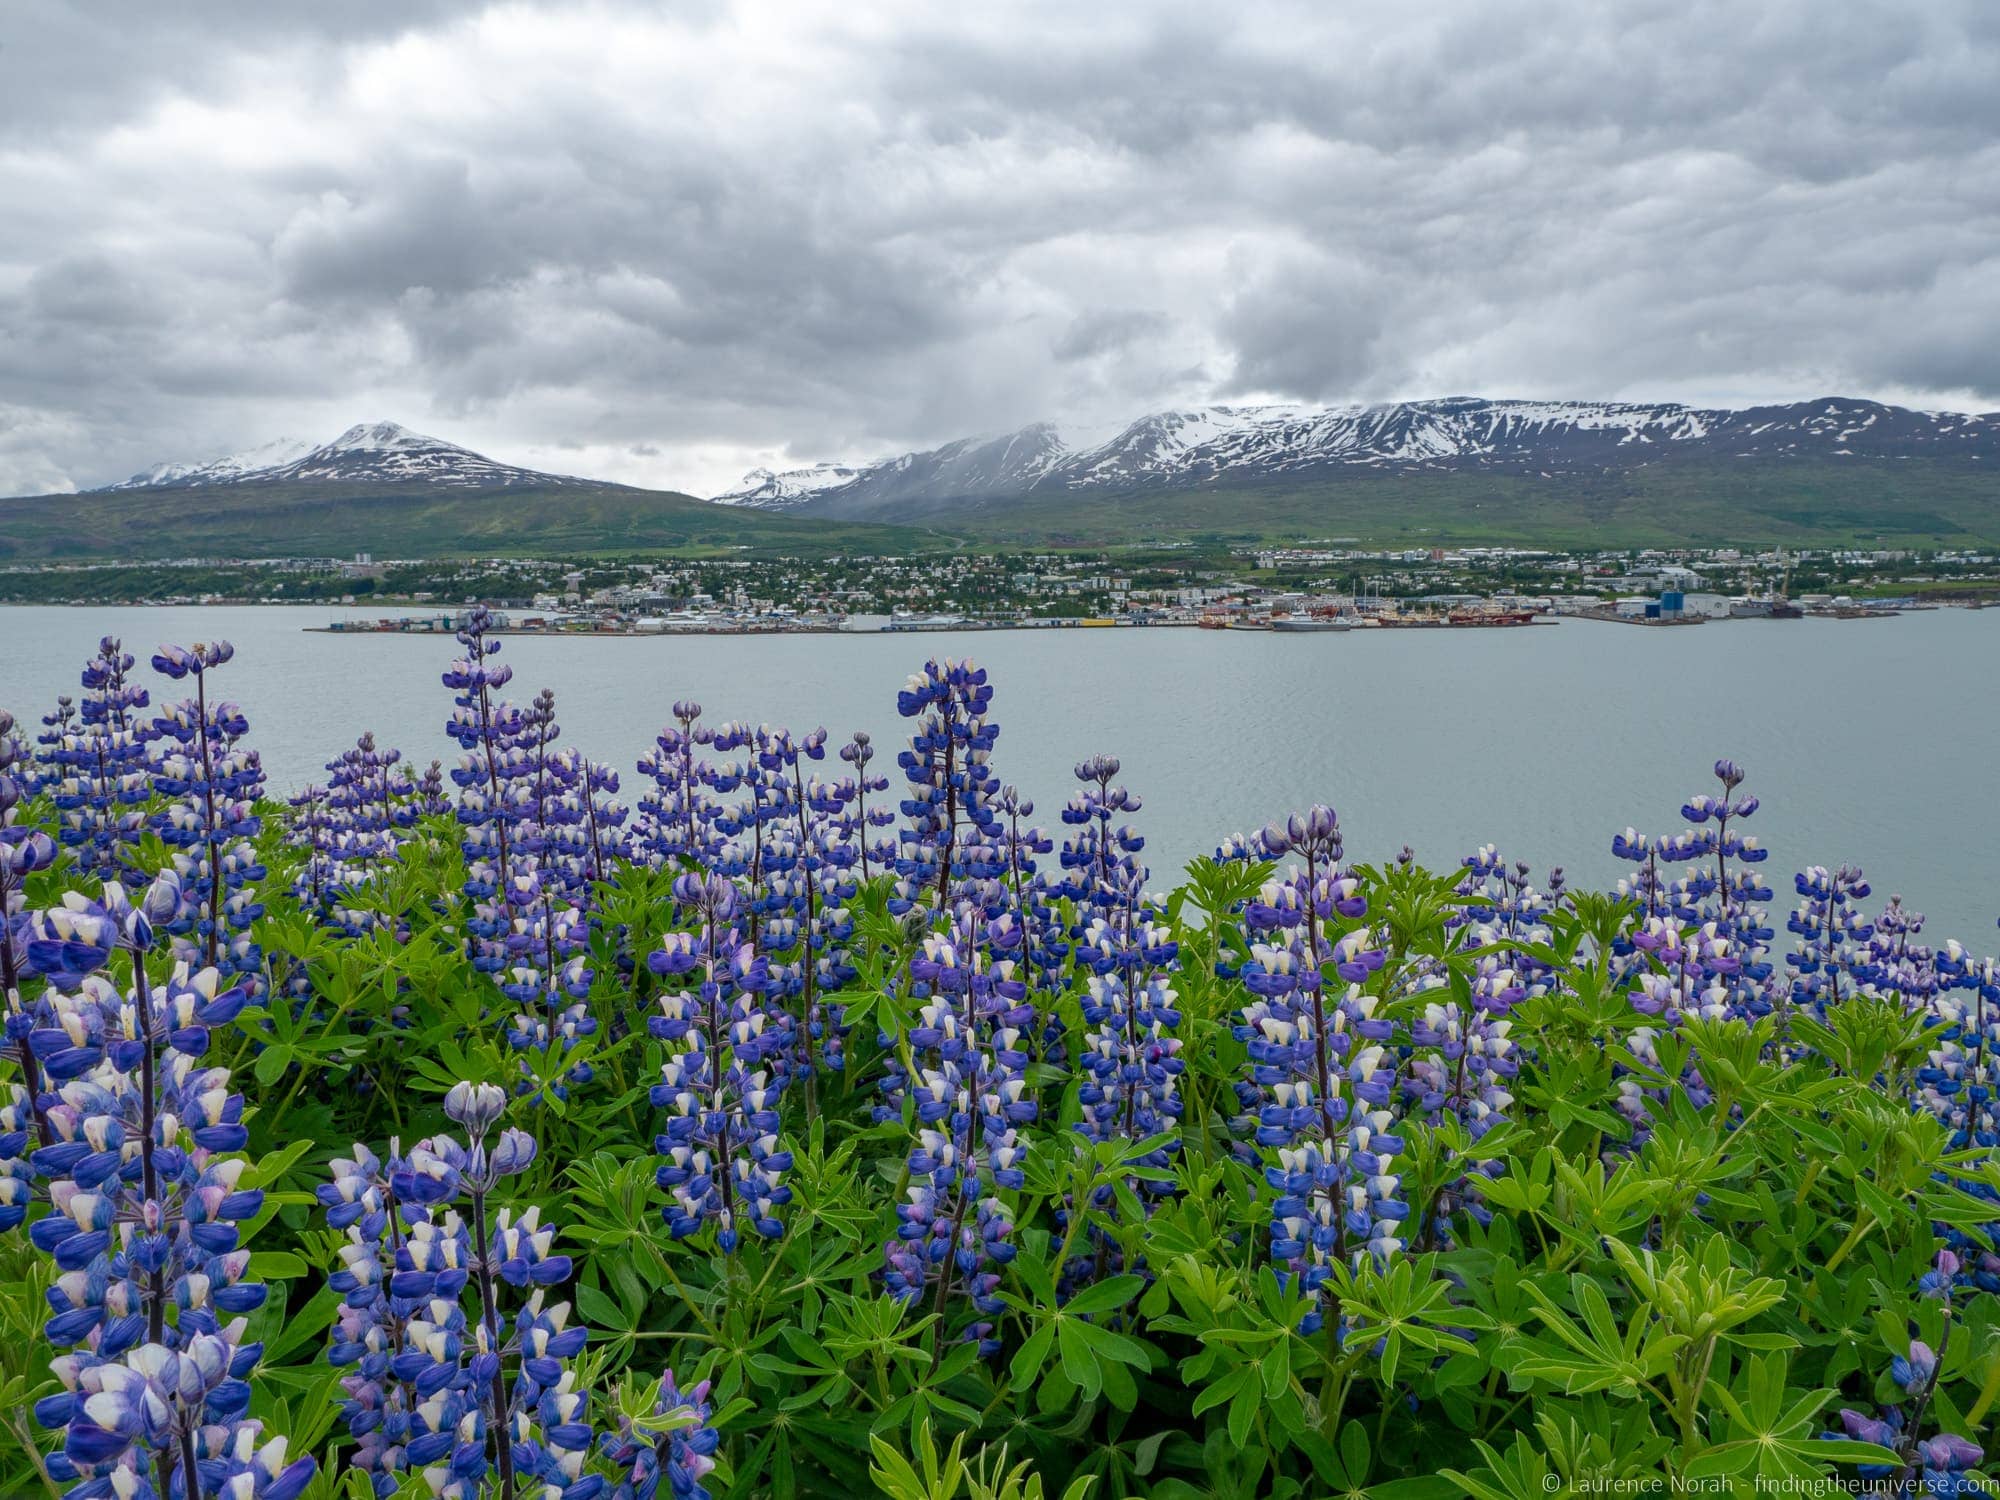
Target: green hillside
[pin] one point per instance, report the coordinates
(1888, 503)
(1909, 503)
(322, 520)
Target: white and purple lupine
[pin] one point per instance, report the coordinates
(526, 927)
(23, 852)
(142, 1181)
(1320, 1086)
(103, 783)
(963, 1068)
(370, 805)
(677, 817)
(591, 840)
(1504, 909)
(720, 1086)
(1099, 860)
(211, 782)
(951, 786)
(678, 1456)
(1941, 1463)
(781, 848)
(456, 1395)
(1128, 1053)
(1045, 945)
(859, 752)
(811, 885)
(145, 1195)
(1832, 935)
(138, 1425)
(1459, 1068)
(42, 768)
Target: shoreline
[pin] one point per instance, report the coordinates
(989, 626)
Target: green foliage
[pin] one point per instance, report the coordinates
(1693, 1307)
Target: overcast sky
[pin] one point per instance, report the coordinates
(665, 244)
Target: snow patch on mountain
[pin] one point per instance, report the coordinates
(762, 488)
(271, 455)
(1207, 444)
(367, 453)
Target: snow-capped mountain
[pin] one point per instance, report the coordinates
(368, 453)
(272, 455)
(1216, 444)
(762, 489)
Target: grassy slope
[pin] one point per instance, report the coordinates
(1911, 503)
(1907, 503)
(303, 520)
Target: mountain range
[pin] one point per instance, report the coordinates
(383, 489)
(1462, 470)
(1240, 446)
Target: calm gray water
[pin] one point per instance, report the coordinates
(1872, 741)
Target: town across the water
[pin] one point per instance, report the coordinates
(1291, 590)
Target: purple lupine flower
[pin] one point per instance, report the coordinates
(967, 1087)
(720, 1144)
(211, 783)
(435, 1387)
(1045, 945)
(951, 783)
(529, 926)
(1831, 931)
(681, 1455)
(156, 1409)
(859, 752)
(677, 818)
(1459, 1069)
(23, 851)
(1318, 1092)
(44, 768)
(370, 803)
(145, 1196)
(1503, 909)
(102, 761)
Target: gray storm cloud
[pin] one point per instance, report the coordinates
(663, 246)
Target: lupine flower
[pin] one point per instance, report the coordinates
(1099, 859)
(1045, 944)
(951, 783)
(23, 851)
(211, 784)
(44, 768)
(1319, 1090)
(680, 1457)
(370, 804)
(859, 752)
(792, 860)
(433, 1388)
(1831, 932)
(145, 1198)
(1936, 1465)
(137, 1424)
(965, 1076)
(527, 927)
(722, 1165)
(103, 764)
(1459, 1068)
(1504, 909)
(132, 1246)
(677, 818)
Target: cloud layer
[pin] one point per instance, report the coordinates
(666, 244)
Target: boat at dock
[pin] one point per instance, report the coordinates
(1300, 624)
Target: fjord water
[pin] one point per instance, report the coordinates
(1873, 742)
